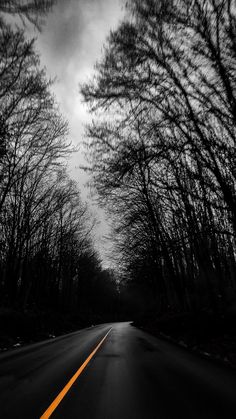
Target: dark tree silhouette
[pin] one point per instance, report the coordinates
(165, 165)
(30, 10)
(46, 246)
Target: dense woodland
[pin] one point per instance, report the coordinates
(162, 150)
(47, 256)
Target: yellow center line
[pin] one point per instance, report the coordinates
(70, 383)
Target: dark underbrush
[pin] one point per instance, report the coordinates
(18, 328)
(211, 335)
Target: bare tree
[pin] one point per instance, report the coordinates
(168, 74)
(33, 11)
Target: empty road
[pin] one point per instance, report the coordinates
(132, 375)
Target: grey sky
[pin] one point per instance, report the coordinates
(69, 45)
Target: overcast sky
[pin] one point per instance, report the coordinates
(70, 43)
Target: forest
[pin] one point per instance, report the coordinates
(162, 153)
(49, 268)
(161, 156)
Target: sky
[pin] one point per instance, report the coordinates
(70, 43)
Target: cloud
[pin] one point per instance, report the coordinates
(63, 32)
(70, 45)
(75, 31)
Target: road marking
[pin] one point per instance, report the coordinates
(70, 383)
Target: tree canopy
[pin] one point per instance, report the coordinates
(162, 148)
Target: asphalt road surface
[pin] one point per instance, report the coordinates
(133, 375)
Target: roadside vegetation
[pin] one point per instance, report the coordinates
(161, 150)
(51, 278)
(161, 153)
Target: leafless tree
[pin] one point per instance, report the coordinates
(165, 165)
(32, 11)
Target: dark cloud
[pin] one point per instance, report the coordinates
(75, 27)
(63, 30)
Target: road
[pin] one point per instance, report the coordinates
(133, 375)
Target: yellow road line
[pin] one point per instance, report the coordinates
(70, 383)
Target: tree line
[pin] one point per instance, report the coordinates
(161, 149)
(47, 256)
